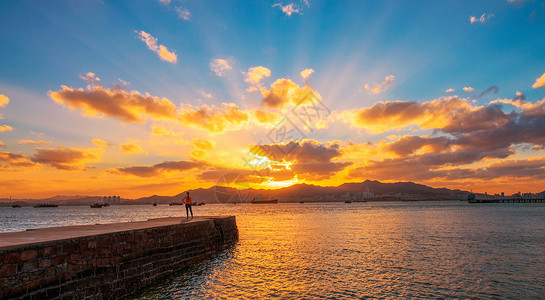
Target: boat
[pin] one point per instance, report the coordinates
(97, 205)
(14, 205)
(176, 203)
(45, 205)
(301, 202)
(257, 201)
(347, 201)
(105, 204)
(154, 203)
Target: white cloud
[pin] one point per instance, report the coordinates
(219, 66)
(540, 82)
(161, 50)
(306, 73)
(89, 77)
(483, 19)
(183, 13)
(381, 87)
(288, 9)
(468, 89)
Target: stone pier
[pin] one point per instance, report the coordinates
(106, 261)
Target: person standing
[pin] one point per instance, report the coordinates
(187, 201)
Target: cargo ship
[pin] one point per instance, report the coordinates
(257, 201)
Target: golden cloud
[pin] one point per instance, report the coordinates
(540, 82)
(128, 106)
(306, 73)
(4, 100)
(202, 144)
(161, 50)
(212, 118)
(265, 117)
(284, 91)
(17, 160)
(65, 158)
(378, 88)
(101, 143)
(129, 148)
(256, 74)
(5, 128)
(32, 142)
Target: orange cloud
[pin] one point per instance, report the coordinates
(540, 82)
(17, 160)
(129, 148)
(65, 158)
(130, 107)
(202, 144)
(212, 118)
(407, 145)
(468, 89)
(220, 66)
(161, 50)
(4, 100)
(284, 91)
(159, 169)
(483, 19)
(5, 128)
(381, 87)
(265, 117)
(101, 143)
(31, 142)
(90, 78)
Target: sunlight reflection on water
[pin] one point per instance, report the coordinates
(338, 250)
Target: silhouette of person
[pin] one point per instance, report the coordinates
(187, 201)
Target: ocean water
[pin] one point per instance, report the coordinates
(347, 251)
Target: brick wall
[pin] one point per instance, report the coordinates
(109, 266)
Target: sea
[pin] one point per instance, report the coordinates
(432, 249)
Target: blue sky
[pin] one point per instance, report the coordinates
(426, 46)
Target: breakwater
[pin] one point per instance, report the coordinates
(107, 261)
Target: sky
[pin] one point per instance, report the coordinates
(136, 98)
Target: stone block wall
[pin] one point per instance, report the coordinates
(109, 266)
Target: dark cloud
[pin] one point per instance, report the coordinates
(63, 158)
(299, 151)
(16, 160)
(493, 89)
(407, 145)
(159, 169)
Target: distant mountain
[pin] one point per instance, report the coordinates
(309, 192)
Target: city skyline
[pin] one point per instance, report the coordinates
(158, 97)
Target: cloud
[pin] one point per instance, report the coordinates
(16, 160)
(64, 158)
(540, 82)
(381, 87)
(131, 107)
(159, 169)
(449, 114)
(468, 89)
(493, 89)
(5, 128)
(407, 145)
(165, 2)
(449, 91)
(161, 50)
(220, 66)
(202, 144)
(101, 143)
(4, 100)
(255, 75)
(306, 73)
(129, 148)
(89, 77)
(212, 118)
(31, 142)
(284, 91)
(483, 19)
(288, 9)
(265, 117)
(183, 13)
(306, 151)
